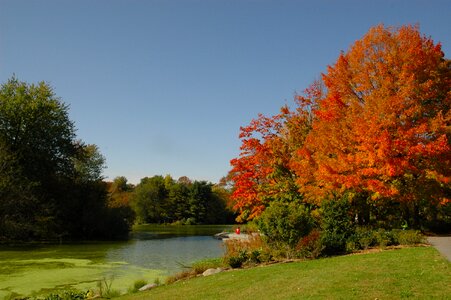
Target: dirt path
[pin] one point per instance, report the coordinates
(442, 244)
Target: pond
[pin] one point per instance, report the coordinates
(154, 251)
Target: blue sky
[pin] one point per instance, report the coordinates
(163, 86)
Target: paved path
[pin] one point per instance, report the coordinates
(442, 244)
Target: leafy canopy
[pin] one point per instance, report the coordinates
(377, 123)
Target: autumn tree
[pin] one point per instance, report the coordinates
(119, 191)
(376, 126)
(383, 127)
(119, 199)
(250, 171)
(262, 172)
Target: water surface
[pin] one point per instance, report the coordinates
(154, 251)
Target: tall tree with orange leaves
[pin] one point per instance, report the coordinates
(383, 127)
(377, 125)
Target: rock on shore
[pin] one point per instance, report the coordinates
(209, 272)
(148, 287)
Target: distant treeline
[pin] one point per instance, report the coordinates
(161, 199)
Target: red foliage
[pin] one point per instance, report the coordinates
(384, 124)
(379, 122)
(262, 173)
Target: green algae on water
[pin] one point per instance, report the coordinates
(39, 276)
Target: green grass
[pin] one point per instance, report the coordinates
(409, 273)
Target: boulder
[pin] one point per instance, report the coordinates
(148, 287)
(221, 235)
(212, 271)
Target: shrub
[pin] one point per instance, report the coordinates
(112, 293)
(238, 260)
(284, 224)
(255, 256)
(383, 238)
(351, 246)
(137, 285)
(205, 264)
(364, 236)
(310, 246)
(179, 276)
(197, 268)
(66, 295)
(105, 290)
(337, 224)
(242, 251)
(435, 217)
(408, 237)
(234, 246)
(157, 281)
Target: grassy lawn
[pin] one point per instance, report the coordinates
(414, 273)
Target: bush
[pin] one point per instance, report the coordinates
(179, 276)
(284, 224)
(364, 237)
(256, 256)
(337, 225)
(310, 246)
(251, 250)
(383, 238)
(67, 295)
(436, 217)
(351, 246)
(137, 285)
(197, 268)
(238, 260)
(408, 237)
(205, 264)
(105, 290)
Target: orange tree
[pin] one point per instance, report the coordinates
(262, 172)
(377, 125)
(383, 127)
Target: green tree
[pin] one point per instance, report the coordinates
(219, 211)
(36, 131)
(177, 206)
(89, 163)
(16, 199)
(34, 123)
(120, 184)
(163, 200)
(337, 223)
(283, 224)
(200, 195)
(50, 184)
(148, 200)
